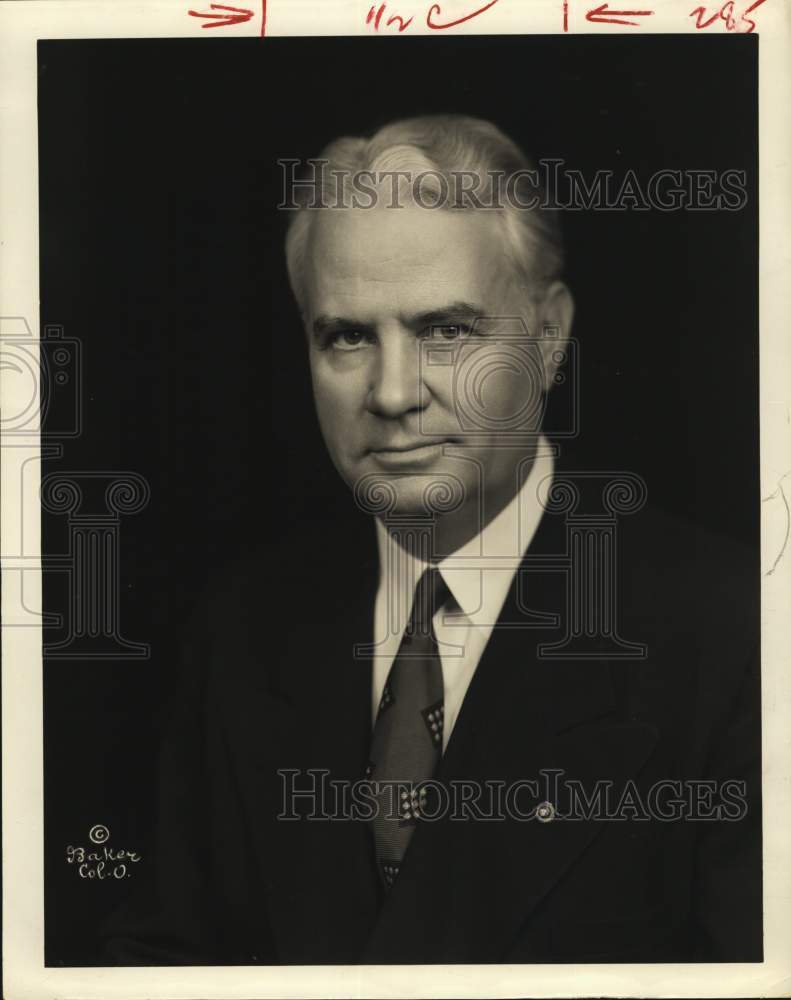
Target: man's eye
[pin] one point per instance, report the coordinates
(347, 340)
(449, 331)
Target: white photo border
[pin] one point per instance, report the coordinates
(25, 975)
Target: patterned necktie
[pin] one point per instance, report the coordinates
(407, 738)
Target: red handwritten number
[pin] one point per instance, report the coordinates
(749, 20)
(402, 24)
(726, 14)
(376, 16)
(700, 23)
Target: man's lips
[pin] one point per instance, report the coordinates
(409, 455)
(407, 446)
(404, 449)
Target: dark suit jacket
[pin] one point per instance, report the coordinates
(270, 682)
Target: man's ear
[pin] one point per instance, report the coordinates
(555, 314)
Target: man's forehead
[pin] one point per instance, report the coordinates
(342, 227)
(371, 254)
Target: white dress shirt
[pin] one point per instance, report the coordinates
(478, 576)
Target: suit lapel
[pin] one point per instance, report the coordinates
(466, 885)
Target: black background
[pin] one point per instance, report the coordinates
(161, 252)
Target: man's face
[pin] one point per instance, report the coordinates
(405, 390)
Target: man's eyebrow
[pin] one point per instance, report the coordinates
(454, 311)
(323, 324)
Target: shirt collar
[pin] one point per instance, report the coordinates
(479, 573)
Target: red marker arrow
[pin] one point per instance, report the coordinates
(603, 15)
(238, 15)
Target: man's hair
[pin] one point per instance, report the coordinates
(437, 149)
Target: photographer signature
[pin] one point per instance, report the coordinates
(102, 862)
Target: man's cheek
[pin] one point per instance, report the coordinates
(497, 399)
(442, 391)
(339, 420)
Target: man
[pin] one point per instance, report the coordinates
(481, 732)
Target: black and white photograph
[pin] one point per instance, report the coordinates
(400, 502)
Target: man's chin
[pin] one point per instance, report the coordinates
(410, 494)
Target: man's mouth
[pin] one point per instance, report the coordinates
(409, 453)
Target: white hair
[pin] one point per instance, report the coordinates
(437, 149)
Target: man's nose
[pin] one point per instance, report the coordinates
(396, 385)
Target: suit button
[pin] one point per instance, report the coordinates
(545, 812)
